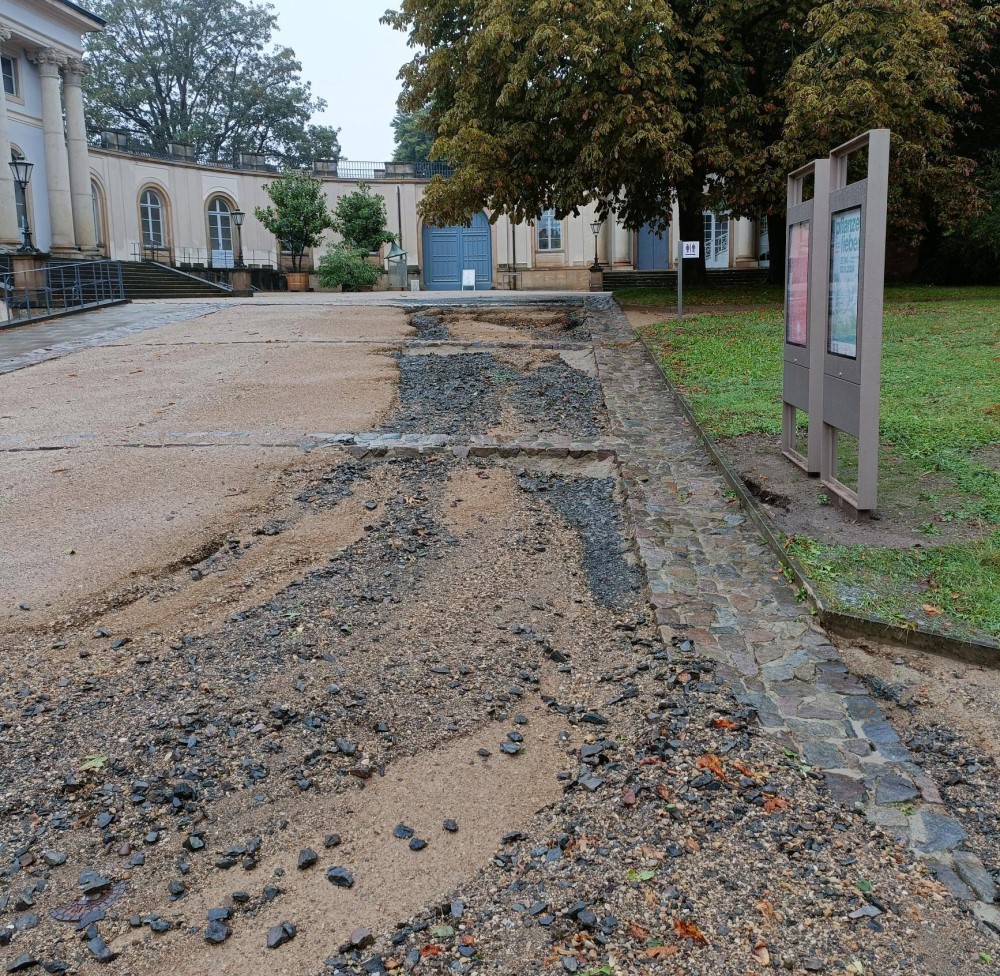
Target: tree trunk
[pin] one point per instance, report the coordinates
(777, 246)
(690, 203)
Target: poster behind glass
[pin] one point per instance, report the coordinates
(845, 279)
(796, 323)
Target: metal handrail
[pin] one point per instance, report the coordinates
(139, 144)
(56, 288)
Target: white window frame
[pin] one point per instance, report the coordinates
(220, 225)
(97, 205)
(147, 224)
(549, 225)
(15, 76)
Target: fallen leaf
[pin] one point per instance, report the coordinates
(931, 611)
(766, 909)
(713, 765)
(724, 723)
(761, 954)
(688, 930)
(742, 767)
(774, 804)
(430, 950)
(660, 952)
(664, 792)
(636, 931)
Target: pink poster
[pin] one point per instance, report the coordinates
(797, 299)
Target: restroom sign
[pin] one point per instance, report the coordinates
(691, 248)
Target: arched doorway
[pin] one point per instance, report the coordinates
(220, 232)
(152, 220)
(448, 251)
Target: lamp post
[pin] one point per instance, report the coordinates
(238, 217)
(21, 169)
(595, 228)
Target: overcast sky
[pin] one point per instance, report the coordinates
(352, 61)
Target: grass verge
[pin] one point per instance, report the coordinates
(940, 430)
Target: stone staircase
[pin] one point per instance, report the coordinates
(147, 279)
(727, 278)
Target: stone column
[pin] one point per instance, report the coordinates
(745, 251)
(79, 160)
(49, 62)
(10, 234)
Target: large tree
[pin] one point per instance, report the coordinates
(206, 74)
(552, 103)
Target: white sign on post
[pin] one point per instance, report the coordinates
(686, 249)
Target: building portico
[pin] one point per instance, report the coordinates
(42, 120)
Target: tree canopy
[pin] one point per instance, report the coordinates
(552, 103)
(413, 135)
(206, 74)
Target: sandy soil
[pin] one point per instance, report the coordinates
(102, 513)
(286, 323)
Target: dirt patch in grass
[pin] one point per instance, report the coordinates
(906, 510)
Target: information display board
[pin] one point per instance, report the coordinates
(845, 282)
(797, 319)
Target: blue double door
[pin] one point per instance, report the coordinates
(448, 251)
(653, 250)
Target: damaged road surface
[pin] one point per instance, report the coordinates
(386, 694)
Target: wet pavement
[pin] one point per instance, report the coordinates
(29, 344)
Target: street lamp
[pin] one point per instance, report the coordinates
(21, 169)
(595, 229)
(238, 217)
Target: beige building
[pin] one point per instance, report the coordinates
(178, 212)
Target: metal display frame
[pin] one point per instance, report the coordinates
(802, 387)
(841, 392)
(852, 387)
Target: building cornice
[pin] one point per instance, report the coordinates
(68, 10)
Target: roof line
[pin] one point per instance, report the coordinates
(86, 13)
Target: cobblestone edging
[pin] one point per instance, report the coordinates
(714, 582)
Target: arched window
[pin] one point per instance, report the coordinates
(20, 198)
(97, 202)
(220, 232)
(151, 219)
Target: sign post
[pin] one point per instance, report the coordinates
(685, 249)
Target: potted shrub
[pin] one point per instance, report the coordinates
(297, 218)
(349, 268)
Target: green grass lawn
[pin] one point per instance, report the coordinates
(940, 422)
(774, 295)
(667, 297)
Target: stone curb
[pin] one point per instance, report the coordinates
(981, 652)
